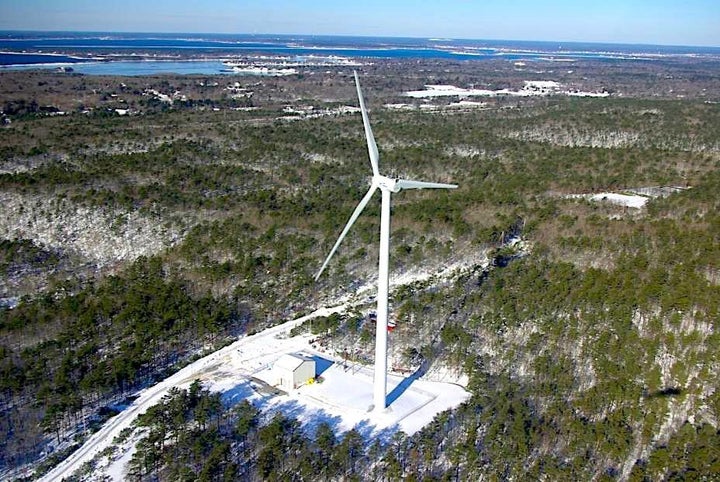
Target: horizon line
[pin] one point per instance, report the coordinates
(430, 38)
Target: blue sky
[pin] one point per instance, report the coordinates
(689, 22)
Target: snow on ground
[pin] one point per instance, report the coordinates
(114, 464)
(152, 395)
(101, 235)
(457, 106)
(468, 103)
(344, 397)
(450, 269)
(264, 71)
(241, 371)
(531, 88)
(631, 201)
(310, 112)
(658, 191)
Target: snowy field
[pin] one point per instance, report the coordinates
(635, 198)
(530, 89)
(627, 200)
(238, 372)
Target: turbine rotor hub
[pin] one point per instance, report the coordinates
(387, 183)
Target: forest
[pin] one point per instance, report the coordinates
(590, 348)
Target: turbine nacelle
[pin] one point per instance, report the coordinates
(387, 183)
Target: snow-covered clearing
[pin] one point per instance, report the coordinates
(531, 88)
(239, 370)
(310, 112)
(635, 198)
(264, 71)
(631, 201)
(462, 105)
(627, 200)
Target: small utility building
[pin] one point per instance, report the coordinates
(293, 370)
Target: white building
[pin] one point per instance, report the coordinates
(292, 370)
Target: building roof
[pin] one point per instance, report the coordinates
(290, 361)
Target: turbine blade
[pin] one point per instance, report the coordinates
(350, 222)
(372, 147)
(408, 184)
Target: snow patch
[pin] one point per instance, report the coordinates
(631, 201)
(627, 200)
(531, 88)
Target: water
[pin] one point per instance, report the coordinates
(99, 53)
(132, 68)
(19, 59)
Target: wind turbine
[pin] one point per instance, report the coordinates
(387, 186)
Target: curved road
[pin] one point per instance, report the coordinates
(152, 395)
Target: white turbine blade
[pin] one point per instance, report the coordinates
(407, 184)
(350, 222)
(372, 147)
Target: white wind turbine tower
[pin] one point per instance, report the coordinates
(387, 186)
